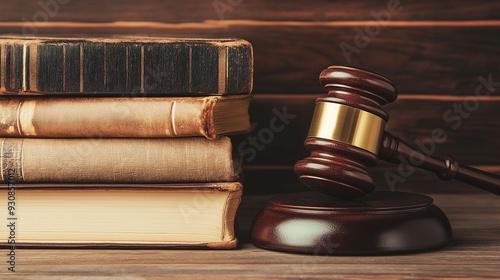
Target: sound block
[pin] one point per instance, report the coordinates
(378, 223)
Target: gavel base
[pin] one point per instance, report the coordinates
(378, 223)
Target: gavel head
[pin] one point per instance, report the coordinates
(346, 132)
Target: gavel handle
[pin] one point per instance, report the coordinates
(395, 150)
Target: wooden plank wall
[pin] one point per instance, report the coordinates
(437, 53)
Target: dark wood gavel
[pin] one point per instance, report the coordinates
(347, 135)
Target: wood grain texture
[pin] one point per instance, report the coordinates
(419, 57)
(194, 10)
(268, 179)
(471, 135)
(474, 253)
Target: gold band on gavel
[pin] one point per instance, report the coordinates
(347, 124)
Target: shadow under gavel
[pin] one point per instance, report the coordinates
(347, 135)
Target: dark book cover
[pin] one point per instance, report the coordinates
(125, 66)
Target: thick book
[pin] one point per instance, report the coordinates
(59, 117)
(115, 160)
(125, 66)
(189, 215)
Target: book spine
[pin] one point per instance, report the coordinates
(232, 203)
(132, 69)
(167, 160)
(108, 117)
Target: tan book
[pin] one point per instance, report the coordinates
(111, 160)
(189, 215)
(124, 117)
(125, 66)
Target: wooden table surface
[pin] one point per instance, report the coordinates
(475, 252)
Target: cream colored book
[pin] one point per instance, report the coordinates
(187, 215)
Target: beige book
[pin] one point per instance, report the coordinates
(190, 215)
(123, 117)
(111, 160)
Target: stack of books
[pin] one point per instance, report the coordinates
(122, 142)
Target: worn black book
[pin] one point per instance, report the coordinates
(125, 66)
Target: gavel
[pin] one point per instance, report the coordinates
(347, 135)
